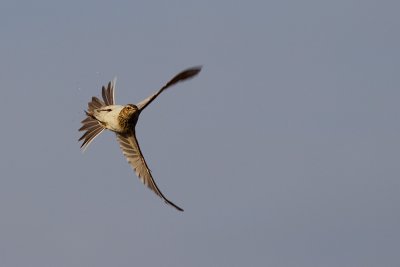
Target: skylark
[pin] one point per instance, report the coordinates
(104, 114)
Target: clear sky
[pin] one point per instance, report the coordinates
(284, 151)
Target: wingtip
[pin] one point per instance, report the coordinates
(180, 209)
(173, 205)
(193, 71)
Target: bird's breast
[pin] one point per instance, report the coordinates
(127, 121)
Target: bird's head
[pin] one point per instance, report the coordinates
(129, 110)
(128, 116)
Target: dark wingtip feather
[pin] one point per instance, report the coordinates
(193, 70)
(172, 204)
(184, 75)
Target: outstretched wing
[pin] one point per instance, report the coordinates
(184, 75)
(133, 154)
(91, 126)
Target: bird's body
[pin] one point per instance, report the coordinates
(108, 117)
(117, 118)
(122, 119)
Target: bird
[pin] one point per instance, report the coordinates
(121, 119)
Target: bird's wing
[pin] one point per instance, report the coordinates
(184, 75)
(108, 93)
(133, 154)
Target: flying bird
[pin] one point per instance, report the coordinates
(122, 119)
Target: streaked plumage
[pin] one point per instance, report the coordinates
(104, 114)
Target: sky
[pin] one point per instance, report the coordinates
(283, 151)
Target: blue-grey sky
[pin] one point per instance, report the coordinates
(284, 151)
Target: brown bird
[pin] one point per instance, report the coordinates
(104, 114)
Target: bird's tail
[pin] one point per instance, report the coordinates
(91, 126)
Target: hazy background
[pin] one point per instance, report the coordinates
(284, 151)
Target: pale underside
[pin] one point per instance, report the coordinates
(108, 117)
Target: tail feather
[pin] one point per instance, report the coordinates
(91, 126)
(95, 103)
